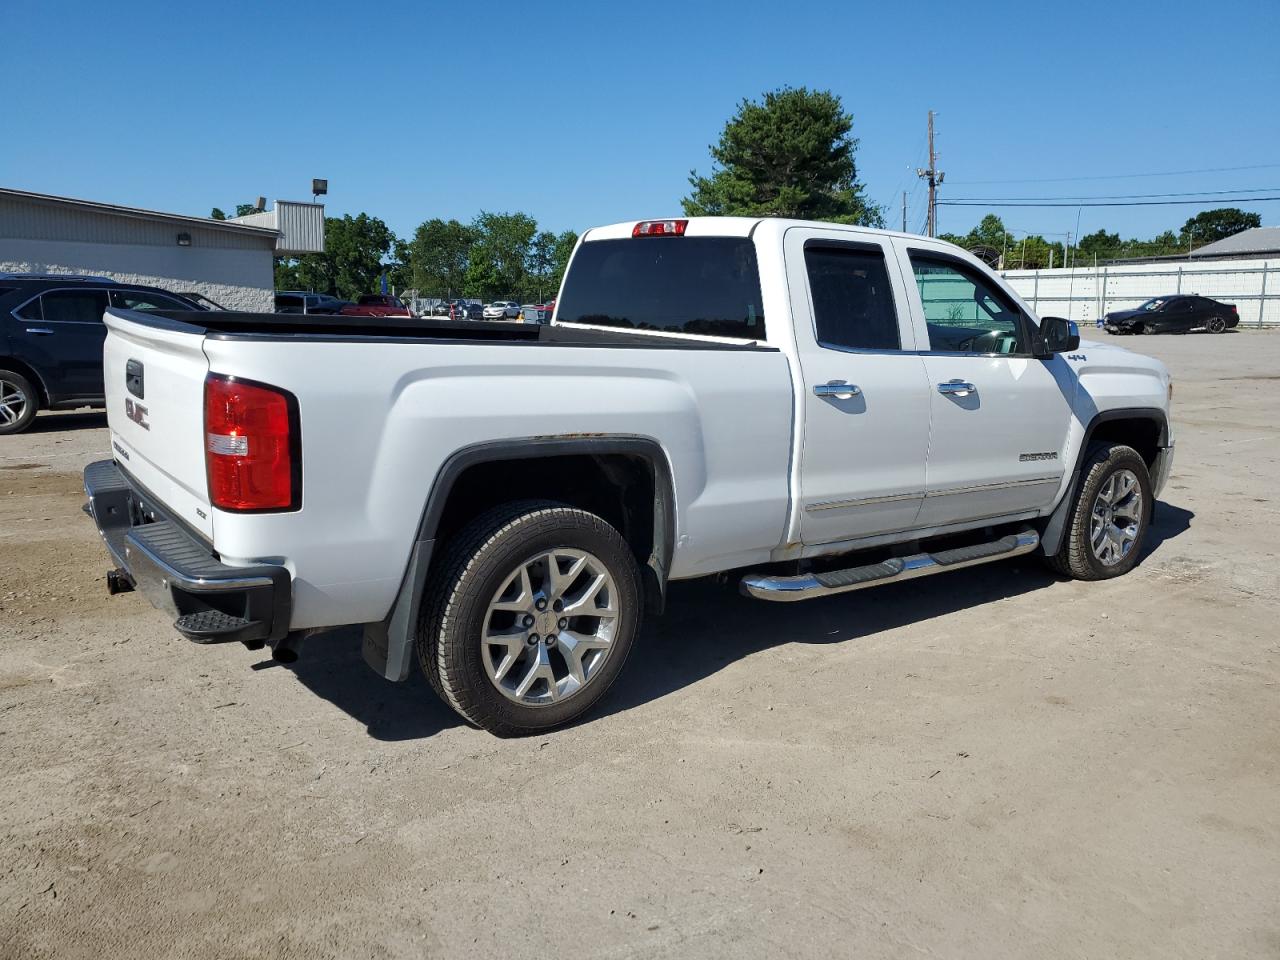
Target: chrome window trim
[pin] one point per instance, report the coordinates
(861, 246)
(75, 323)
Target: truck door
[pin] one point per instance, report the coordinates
(998, 414)
(866, 399)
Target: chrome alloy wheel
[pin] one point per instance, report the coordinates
(1116, 518)
(550, 627)
(13, 402)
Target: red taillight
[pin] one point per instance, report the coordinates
(251, 445)
(660, 228)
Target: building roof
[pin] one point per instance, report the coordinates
(1256, 241)
(138, 213)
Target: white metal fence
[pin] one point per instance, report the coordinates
(1084, 293)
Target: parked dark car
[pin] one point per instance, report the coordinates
(51, 336)
(464, 310)
(300, 301)
(1176, 314)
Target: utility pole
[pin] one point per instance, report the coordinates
(935, 177)
(904, 211)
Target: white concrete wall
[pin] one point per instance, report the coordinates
(1085, 293)
(239, 279)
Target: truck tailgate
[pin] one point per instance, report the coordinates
(155, 373)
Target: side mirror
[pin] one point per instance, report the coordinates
(1060, 335)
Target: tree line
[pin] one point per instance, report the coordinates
(497, 256)
(1033, 251)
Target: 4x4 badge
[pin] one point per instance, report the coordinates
(1076, 356)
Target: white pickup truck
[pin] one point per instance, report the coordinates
(814, 408)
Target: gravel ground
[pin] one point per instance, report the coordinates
(991, 763)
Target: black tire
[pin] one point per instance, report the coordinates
(1075, 557)
(476, 564)
(1149, 329)
(15, 385)
(1216, 325)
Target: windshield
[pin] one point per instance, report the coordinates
(699, 285)
(1155, 304)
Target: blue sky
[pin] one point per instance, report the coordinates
(586, 113)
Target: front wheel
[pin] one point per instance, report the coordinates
(1109, 518)
(18, 402)
(1149, 328)
(530, 617)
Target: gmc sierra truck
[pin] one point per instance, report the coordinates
(809, 408)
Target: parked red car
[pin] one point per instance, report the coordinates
(377, 305)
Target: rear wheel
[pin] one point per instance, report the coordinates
(1216, 325)
(530, 618)
(1109, 518)
(18, 402)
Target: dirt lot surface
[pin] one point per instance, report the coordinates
(991, 763)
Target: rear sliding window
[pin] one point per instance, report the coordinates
(701, 285)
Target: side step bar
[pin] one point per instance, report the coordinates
(808, 585)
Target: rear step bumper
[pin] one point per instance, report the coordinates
(178, 573)
(809, 585)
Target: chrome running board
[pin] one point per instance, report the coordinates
(808, 585)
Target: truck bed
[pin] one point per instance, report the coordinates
(233, 325)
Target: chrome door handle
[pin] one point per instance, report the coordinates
(957, 388)
(40, 331)
(839, 389)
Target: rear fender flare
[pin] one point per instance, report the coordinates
(388, 643)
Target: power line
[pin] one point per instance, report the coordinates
(1109, 203)
(1128, 196)
(1124, 176)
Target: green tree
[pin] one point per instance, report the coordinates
(548, 257)
(1099, 243)
(352, 263)
(217, 214)
(438, 257)
(498, 266)
(244, 209)
(789, 155)
(565, 242)
(1217, 224)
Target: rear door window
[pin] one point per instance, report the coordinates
(74, 306)
(852, 300)
(698, 285)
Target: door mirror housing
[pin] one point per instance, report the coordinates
(1060, 335)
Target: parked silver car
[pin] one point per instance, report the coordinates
(502, 310)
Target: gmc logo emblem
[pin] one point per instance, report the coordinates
(137, 413)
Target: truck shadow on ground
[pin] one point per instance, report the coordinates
(332, 667)
(706, 627)
(58, 422)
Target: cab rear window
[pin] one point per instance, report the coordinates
(700, 285)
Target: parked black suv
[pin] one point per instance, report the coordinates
(51, 337)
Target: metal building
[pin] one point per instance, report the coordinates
(231, 262)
